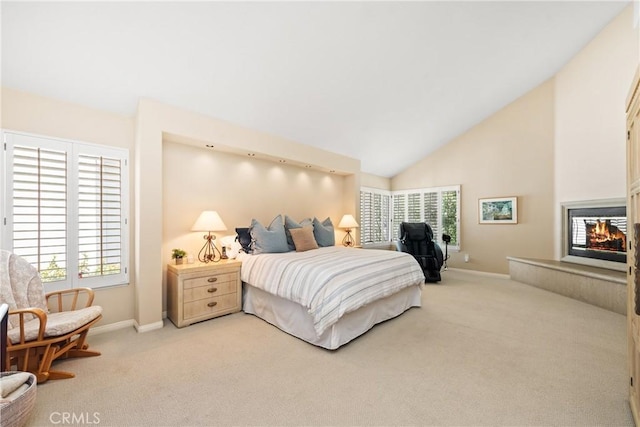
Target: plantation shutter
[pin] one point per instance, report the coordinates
(414, 213)
(437, 206)
(399, 209)
(431, 212)
(65, 209)
(99, 215)
(382, 213)
(449, 219)
(366, 217)
(374, 217)
(39, 200)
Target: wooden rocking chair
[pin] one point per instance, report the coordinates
(43, 327)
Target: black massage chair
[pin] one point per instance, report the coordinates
(416, 238)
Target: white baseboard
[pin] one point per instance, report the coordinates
(112, 327)
(127, 324)
(149, 327)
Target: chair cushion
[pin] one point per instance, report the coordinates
(57, 324)
(20, 286)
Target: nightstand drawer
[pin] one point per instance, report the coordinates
(210, 290)
(210, 279)
(210, 306)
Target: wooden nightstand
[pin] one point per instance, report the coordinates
(197, 292)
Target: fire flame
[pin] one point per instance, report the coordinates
(602, 233)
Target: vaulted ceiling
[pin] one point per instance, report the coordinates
(383, 82)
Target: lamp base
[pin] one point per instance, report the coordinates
(348, 240)
(209, 252)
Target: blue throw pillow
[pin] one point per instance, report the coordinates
(323, 232)
(289, 224)
(268, 240)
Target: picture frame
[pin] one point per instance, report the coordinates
(498, 210)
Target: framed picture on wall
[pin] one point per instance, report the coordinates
(501, 210)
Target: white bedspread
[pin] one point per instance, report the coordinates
(331, 281)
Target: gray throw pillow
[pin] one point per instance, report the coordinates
(289, 224)
(323, 232)
(268, 240)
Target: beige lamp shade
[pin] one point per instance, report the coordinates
(209, 221)
(348, 222)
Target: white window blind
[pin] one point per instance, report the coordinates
(66, 209)
(99, 215)
(449, 215)
(374, 216)
(39, 199)
(414, 210)
(399, 207)
(436, 206)
(430, 210)
(439, 207)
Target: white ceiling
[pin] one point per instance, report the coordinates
(383, 82)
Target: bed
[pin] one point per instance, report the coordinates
(330, 295)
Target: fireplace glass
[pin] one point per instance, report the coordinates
(598, 233)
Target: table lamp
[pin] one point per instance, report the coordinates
(209, 221)
(348, 222)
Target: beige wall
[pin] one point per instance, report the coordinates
(509, 154)
(551, 146)
(239, 188)
(590, 135)
(38, 115)
(156, 124)
(165, 203)
(374, 181)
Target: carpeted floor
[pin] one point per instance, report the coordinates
(482, 351)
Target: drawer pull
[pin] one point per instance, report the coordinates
(212, 279)
(212, 290)
(212, 304)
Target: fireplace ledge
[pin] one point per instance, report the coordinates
(597, 286)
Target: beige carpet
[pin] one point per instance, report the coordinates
(481, 351)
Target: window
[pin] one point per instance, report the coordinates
(399, 207)
(66, 206)
(374, 216)
(439, 207)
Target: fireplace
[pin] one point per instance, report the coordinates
(595, 233)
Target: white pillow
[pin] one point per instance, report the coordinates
(233, 249)
(231, 246)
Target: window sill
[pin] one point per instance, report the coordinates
(381, 245)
